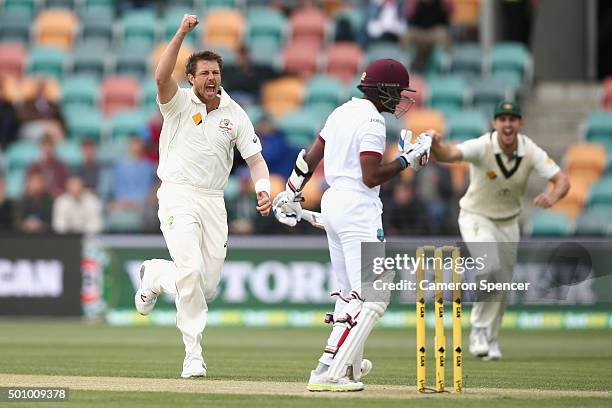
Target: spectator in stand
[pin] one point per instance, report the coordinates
(385, 20)
(275, 149)
(428, 22)
(78, 210)
(32, 212)
(406, 213)
(150, 218)
(6, 207)
(40, 116)
(9, 123)
(434, 187)
(241, 213)
(133, 178)
(52, 170)
(154, 128)
(89, 169)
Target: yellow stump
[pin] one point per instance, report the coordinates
(439, 340)
(457, 346)
(420, 321)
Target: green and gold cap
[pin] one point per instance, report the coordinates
(508, 107)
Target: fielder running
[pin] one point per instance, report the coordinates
(202, 124)
(500, 165)
(351, 144)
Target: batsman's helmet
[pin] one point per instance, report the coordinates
(385, 82)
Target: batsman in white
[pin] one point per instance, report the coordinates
(500, 165)
(202, 124)
(351, 144)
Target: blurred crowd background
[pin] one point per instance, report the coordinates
(79, 125)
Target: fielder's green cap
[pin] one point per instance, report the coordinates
(507, 107)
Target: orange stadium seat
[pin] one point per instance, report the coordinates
(466, 12)
(56, 27)
(343, 60)
(301, 58)
(572, 204)
(119, 92)
(17, 90)
(308, 24)
(586, 161)
(223, 28)
(420, 120)
(179, 68)
(282, 95)
(13, 59)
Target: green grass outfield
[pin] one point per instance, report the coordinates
(574, 366)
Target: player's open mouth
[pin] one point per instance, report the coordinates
(210, 89)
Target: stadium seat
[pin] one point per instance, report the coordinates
(179, 68)
(60, 4)
(229, 55)
(78, 91)
(601, 192)
(599, 128)
(124, 220)
(97, 28)
(124, 123)
(21, 153)
(212, 5)
(282, 95)
(394, 127)
(56, 28)
(47, 61)
(382, 49)
(420, 120)
(90, 59)
(101, 8)
(510, 60)
(171, 21)
(355, 17)
(586, 161)
(487, 92)
(343, 60)
(19, 7)
(301, 58)
(593, 223)
(139, 28)
(265, 52)
(446, 94)
(301, 127)
(466, 124)
(13, 59)
(466, 60)
(110, 151)
(28, 87)
(437, 64)
(231, 192)
(148, 96)
(466, 12)
(15, 28)
(132, 61)
(264, 23)
(549, 224)
(119, 92)
(324, 89)
(15, 183)
(83, 122)
(69, 152)
(308, 24)
(223, 28)
(573, 203)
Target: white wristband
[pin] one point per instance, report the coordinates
(263, 185)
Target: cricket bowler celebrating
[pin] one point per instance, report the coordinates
(351, 144)
(202, 124)
(500, 165)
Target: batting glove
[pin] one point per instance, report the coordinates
(286, 211)
(415, 155)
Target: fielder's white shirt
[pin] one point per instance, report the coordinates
(498, 182)
(353, 129)
(197, 148)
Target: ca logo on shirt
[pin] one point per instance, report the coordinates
(226, 127)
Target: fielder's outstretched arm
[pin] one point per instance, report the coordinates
(560, 186)
(166, 85)
(444, 152)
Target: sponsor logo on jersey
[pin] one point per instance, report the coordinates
(491, 175)
(197, 118)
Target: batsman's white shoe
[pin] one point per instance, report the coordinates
(494, 351)
(479, 346)
(320, 382)
(194, 367)
(145, 298)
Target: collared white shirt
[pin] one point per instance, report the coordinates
(353, 129)
(197, 148)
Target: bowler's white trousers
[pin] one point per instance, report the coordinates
(194, 224)
(476, 231)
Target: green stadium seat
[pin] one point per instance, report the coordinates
(593, 223)
(265, 52)
(21, 153)
(230, 58)
(601, 192)
(47, 61)
(255, 113)
(218, 4)
(15, 183)
(171, 20)
(487, 92)
(123, 221)
(383, 49)
(324, 89)
(599, 128)
(446, 94)
(394, 126)
(83, 123)
(356, 18)
(467, 124)
(466, 60)
(510, 58)
(65, 4)
(601, 208)
(301, 127)
(139, 28)
(89, 58)
(437, 62)
(549, 224)
(15, 28)
(78, 91)
(267, 24)
(232, 189)
(19, 7)
(69, 152)
(97, 28)
(102, 8)
(134, 61)
(123, 123)
(111, 150)
(148, 96)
